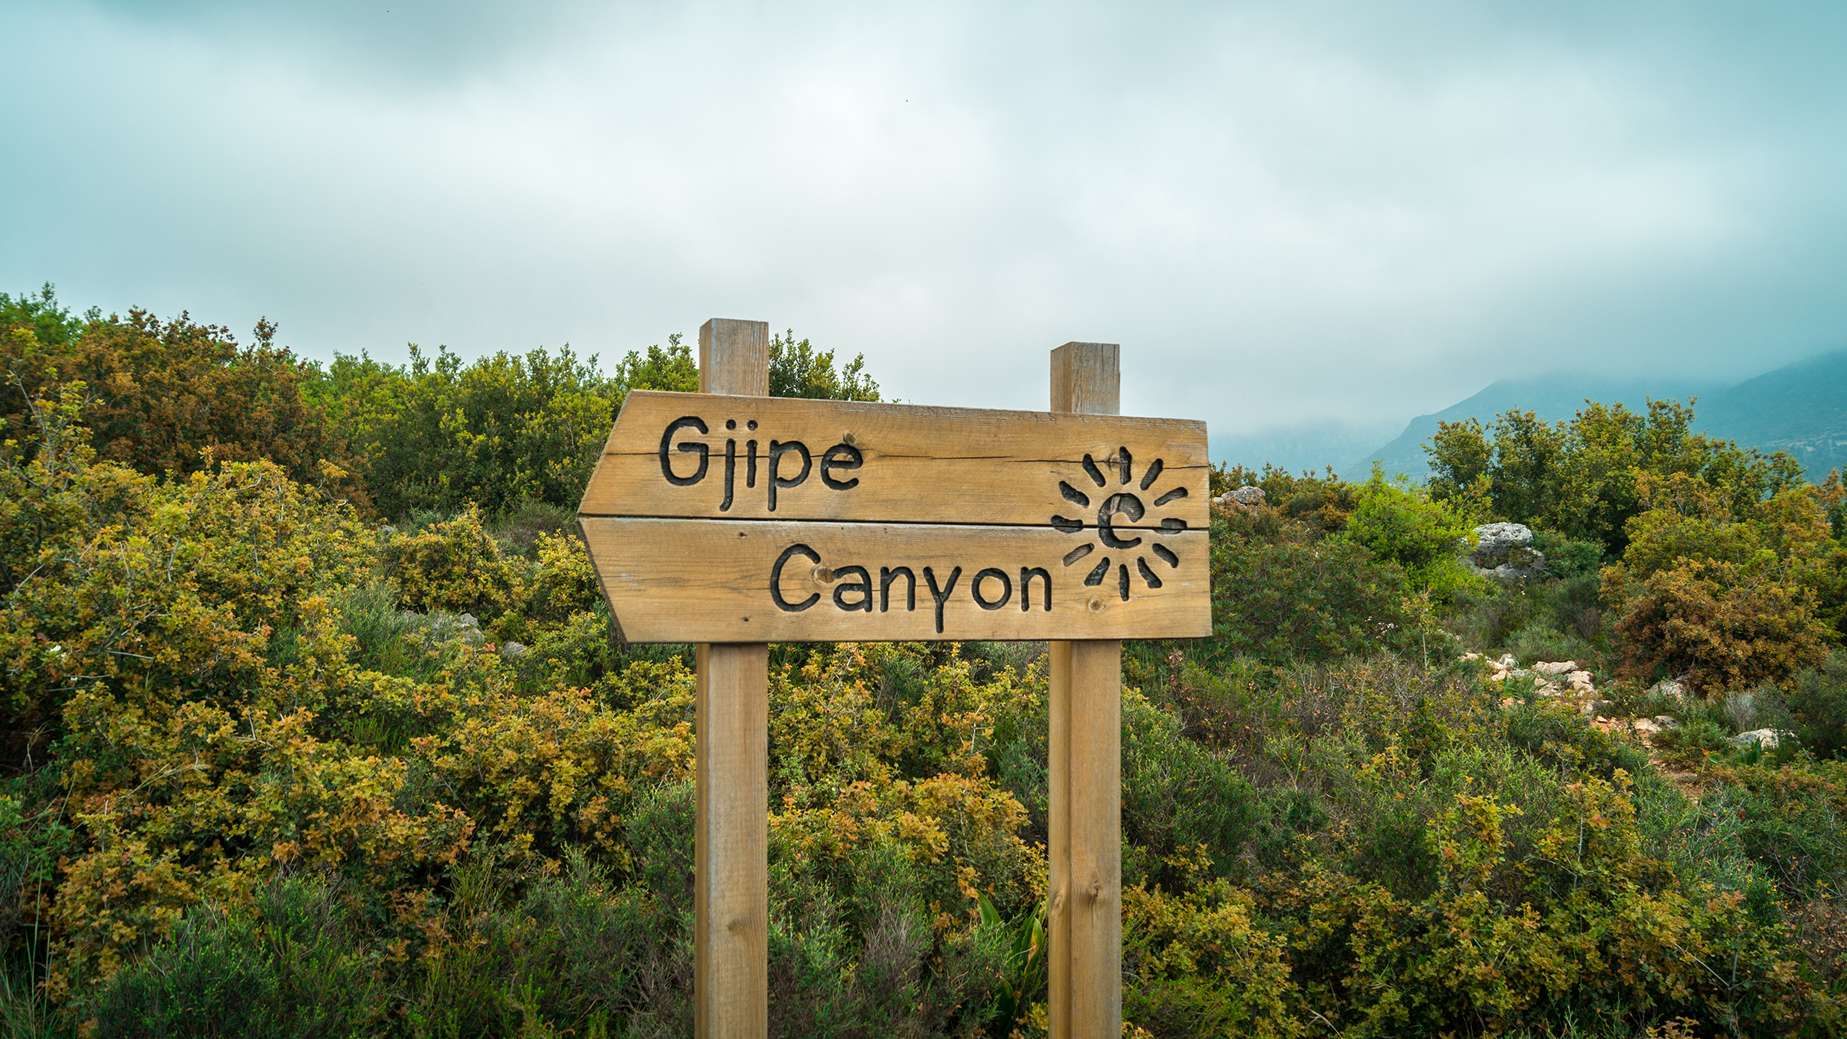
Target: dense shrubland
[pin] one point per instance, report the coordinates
(313, 727)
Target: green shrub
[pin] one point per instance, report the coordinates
(1688, 743)
(166, 396)
(519, 531)
(1792, 821)
(1200, 964)
(865, 958)
(1568, 558)
(399, 642)
(1546, 618)
(1322, 503)
(1484, 617)
(1408, 527)
(453, 565)
(1281, 597)
(1720, 590)
(573, 955)
(1538, 640)
(1557, 735)
(32, 839)
(290, 964)
(797, 369)
(1817, 703)
(1177, 797)
(499, 432)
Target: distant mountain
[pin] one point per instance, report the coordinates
(1296, 448)
(1551, 397)
(1800, 408)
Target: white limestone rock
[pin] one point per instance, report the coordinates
(1505, 551)
(1249, 496)
(1670, 688)
(1763, 739)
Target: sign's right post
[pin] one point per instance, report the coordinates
(1084, 867)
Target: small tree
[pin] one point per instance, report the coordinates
(797, 369)
(1727, 598)
(1414, 530)
(165, 396)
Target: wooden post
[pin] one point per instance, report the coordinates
(1085, 854)
(731, 845)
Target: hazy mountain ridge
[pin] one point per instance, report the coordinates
(1551, 397)
(1800, 408)
(1296, 449)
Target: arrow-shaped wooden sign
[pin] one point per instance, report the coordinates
(757, 519)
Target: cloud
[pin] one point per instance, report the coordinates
(395, 42)
(1286, 214)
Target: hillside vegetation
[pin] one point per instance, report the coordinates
(313, 727)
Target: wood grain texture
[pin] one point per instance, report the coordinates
(1084, 853)
(672, 580)
(914, 464)
(734, 357)
(1087, 379)
(731, 775)
(731, 844)
(1084, 828)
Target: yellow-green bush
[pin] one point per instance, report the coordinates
(1199, 963)
(454, 565)
(1727, 594)
(170, 396)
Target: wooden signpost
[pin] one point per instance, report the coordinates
(732, 519)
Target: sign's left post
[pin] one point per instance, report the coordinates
(731, 732)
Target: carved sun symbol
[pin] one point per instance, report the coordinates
(1119, 549)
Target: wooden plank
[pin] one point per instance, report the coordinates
(734, 358)
(1087, 379)
(731, 758)
(718, 581)
(731, 846)
(1084, 842)
(1058, 838)
(697, 456)
(1087, 681)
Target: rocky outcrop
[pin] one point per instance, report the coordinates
(1496, 539)
(1505, 551)
(1249, 496)
(463, 627)
(1647, 728)
(1669, 688)
(1762, 739)
(1552, 680)
(1563, 681)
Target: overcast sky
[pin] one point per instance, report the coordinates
(1286, 214)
